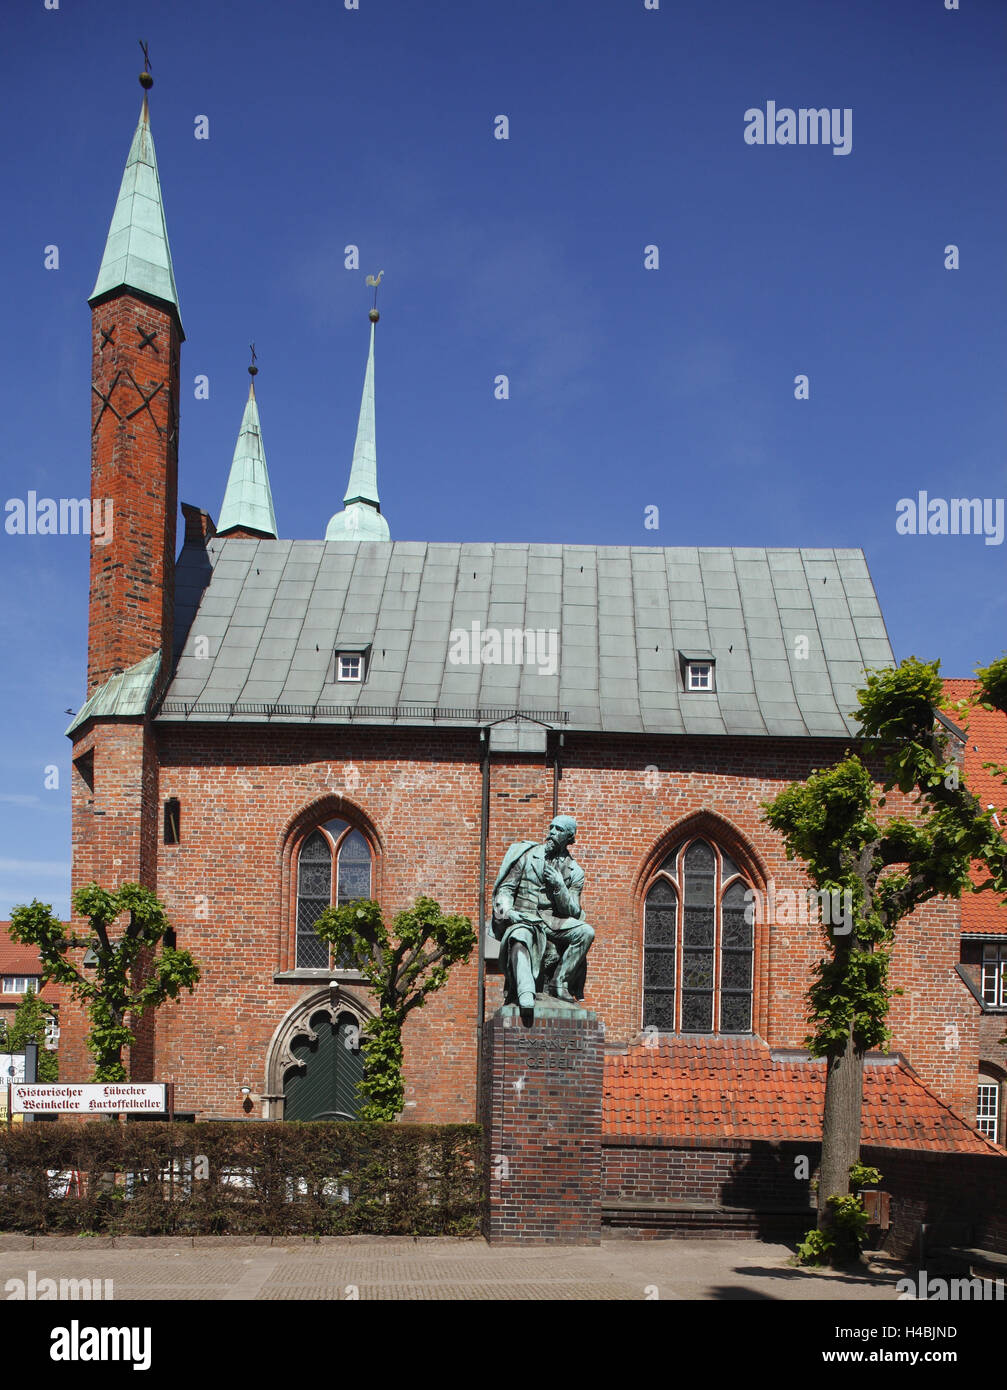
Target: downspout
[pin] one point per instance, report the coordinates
(484, 822)
(557, 773)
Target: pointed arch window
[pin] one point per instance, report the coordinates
(334, 865)
(698, 951)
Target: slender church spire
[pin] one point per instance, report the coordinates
(137, 255)
(361, 519)
(248, 501)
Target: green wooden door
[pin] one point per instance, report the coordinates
(327, 1087)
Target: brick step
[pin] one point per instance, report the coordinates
(705, 1218)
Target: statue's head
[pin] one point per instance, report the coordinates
(562, 831)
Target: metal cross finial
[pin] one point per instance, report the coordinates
(146, 81)
(253, 369)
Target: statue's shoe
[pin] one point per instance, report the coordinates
(525, 1001)
(561, 992)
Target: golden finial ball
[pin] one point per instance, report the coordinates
(373, 315)
(146, 81)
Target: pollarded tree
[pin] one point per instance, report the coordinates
(129, 975)
(889, 866)
(403, 967)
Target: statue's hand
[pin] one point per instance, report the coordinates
(552, 875)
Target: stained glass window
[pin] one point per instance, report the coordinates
(735, 960)
(698, 980)
(318, 887)
(314, 894)
(700, 869)
(659, 936)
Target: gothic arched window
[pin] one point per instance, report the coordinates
(698, 944)
(333, 866)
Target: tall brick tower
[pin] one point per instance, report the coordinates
(136, 336)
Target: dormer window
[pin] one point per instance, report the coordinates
(700, 675)
(697, 671)
(351, 657)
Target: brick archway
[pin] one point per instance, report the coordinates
(280, 1058)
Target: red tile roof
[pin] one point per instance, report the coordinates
(716, 1088)
(16, 959)
(986, 742)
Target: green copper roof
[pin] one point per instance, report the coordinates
(248, 501)
(361, 520)
(125, 695)
(137, 254)
(358, 522)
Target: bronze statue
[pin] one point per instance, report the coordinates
(538, 919)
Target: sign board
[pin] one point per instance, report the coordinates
(119, 1097)
(11, 1069)
(11, 1066)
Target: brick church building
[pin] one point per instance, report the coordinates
(275, 724)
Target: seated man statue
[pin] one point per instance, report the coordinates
(538, 920)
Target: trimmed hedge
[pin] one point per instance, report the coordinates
(261, 1178)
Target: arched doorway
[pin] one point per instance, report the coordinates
(315, 1061)
(326, 1084)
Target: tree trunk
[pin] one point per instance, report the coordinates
(844, 1094)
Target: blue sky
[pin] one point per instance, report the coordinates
(628, 387)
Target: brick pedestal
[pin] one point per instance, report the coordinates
(541, 1112)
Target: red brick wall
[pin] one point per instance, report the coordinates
(742, 1173)
(114, 841)
(419, 793)
(541, 1120)
(134, 463)
(943, 1190)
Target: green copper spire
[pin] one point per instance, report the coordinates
(137, 255)
(361, 519)
(248, 501)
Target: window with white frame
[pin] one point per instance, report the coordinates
(699, 675)
(20, 984)
(988, 1108)
(349, 666)
(995, 975)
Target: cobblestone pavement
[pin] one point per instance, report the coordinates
(217, 1268)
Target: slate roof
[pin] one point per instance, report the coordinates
(273, 612)
(983, 914)
(732, 1088)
